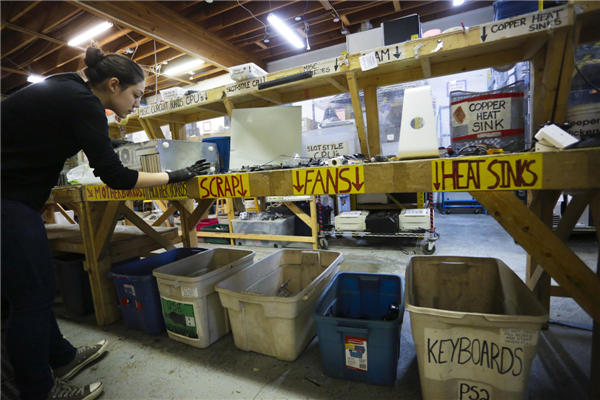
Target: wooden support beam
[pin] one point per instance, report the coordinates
(165, 216)
(538, 240)
(299, 212)
(545, 100)
(566, 76)
(372, 111)
(17, 9)
(345, 20)
(396, 6)
(154, 127)
(38, 35)
(147, 229)
(533, 46)
(188, 231)
(325, 4)
(568, 221)
(542, 206)
(106, 228)
(271, 96)
(54, 14)
(64, 214)
(230, 208)
(314, 223)
(595, 369)
(228, 106)
(158, 22)
(426, 66)
(358, 115)
(339, 82)
(200, 210)
(15, 71)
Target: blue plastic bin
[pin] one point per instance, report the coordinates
(138, 292)
(223, 144)
(355, 342)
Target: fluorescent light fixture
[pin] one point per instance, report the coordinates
(95, 31)
(285, 31)
(185, 67)
(458, 3)
(35, 78)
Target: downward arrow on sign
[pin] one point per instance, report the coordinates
(484, 36)
(298, 187)
(397, 55)
(336, 64)
(242, 193)
(437, 185)
(357, 185)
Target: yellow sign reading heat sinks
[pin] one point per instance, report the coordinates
(514, 172)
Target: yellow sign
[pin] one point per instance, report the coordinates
(215, 186)
(172, 191)
(104, 193)
(348, 179)
(515, 172)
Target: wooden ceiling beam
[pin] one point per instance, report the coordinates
(165, 55)
(147, 50)
(56, 13)
(293, 52)
(179, 6)
(240, 14)
(285, 14)
(40, 49)
(287, 48)
(13, 10)
(203, 13)
(386, 9)
(38, 35)
(14, 71)
(469, 6)
(164, 25)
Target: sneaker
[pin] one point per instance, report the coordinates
(84, 356)
(67, 391)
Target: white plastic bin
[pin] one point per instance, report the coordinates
(280, 226)
(172, 93)
(268, 324)
(191, 307)
(475, 326)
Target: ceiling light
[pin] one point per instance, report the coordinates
(298, 18)
(165, 62)
(285, 31)
(458, 3)
(344, 31)
(336, 19)
(185, 67)
(209, 1)
(35, 78)
(95, 31)
(267, 40)
(191, 78)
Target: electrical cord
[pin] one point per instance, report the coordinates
(253, 16)
(136, 43)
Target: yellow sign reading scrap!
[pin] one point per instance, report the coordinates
(230, 185)
(349, 179)
(514, 172)
(104, 193)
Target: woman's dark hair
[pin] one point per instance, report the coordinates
(101, 67)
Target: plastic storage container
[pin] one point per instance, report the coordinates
(138, 292)
(282, 226)
(191, 307)
(475, 326)
(74, 283)
(414, 219)
(172, 93)
(359, 337)
(218, 228)
(330, 142)
(274, 325)
(206, 222)
(585, 120)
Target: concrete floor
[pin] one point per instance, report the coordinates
(140, 366)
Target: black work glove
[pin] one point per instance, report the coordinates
(200, 168)
(119, 142)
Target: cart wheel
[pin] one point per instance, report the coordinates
(323, 244)
(447, 211)
(429, 252)
(478, 211)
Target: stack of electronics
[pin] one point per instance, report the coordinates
(160, 155)
(383, 222)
